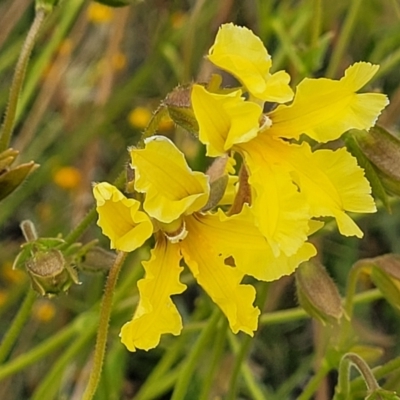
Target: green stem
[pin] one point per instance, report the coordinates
(18, 79)
(244, 349)
(46, 347)
(352, 359)
(315, 382)
(214, 360)
(352, 281)
(344, 38)
(379, 373)
(248, 375)
(316, 24)
(15, 329)
(196, 352)
(102, 332)
(49, 385)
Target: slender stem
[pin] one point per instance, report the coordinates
(244, 349)
(214, 360)
(314, 382)
(364, 370)
(46, 347)
(13, 332)
(316, 24)
(196, 352)
(248, 375)
(18, 79)
(354, 274)
(49, 385)
(102, 332)
(344, 38)
(379, 372)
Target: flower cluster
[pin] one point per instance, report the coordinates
(289, 187)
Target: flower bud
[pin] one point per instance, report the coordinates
(385, 274)
(97, 259)
(382, 149)
(49, 273)
(317, 293)
(382, 394)
(180, 108)
(12, 177)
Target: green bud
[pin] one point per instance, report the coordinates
(385, 274)
(382, 149)
(180, 109)
(11, 178)
(49, 273)
(97, 259)
(317, 293)
(218, 182)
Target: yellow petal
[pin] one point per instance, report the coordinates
(120, 218)
(324, 108)
(172, 188)
(224, 120)
(156, 313)
(238, 237)
(332, 182)
(241, 53)
(281, 211)
(220, 281)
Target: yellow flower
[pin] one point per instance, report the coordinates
(139, 117)
(120, 218)
(99, 13)
(291, 183)
(174, 197)
(67, 177)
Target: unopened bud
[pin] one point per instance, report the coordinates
(317, 293)
(180, 109)
(382, 149)
(385, 274)
(49, 273)
(12, 177)
(97, 259)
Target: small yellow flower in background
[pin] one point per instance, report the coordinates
(139, 117)
(3, 296)
(67, 177)
(118, 61)
(44, 311)
(99, 13)
(12, 275)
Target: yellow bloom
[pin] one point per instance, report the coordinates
(291, 183)
(205, 241)
(120, 218)
(238, 51)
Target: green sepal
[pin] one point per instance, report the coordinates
(12, 178)
(385, 274)
(379, 189)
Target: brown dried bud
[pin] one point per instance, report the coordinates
(49, 273)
